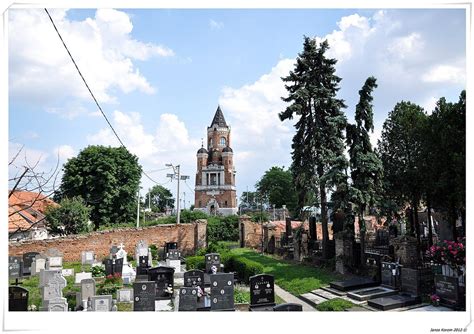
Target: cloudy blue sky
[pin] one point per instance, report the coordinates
(159, 75)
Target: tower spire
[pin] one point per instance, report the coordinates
(219, 119)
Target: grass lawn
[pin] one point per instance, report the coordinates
(294, 278)
(336, 304)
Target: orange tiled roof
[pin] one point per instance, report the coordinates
(26, 208)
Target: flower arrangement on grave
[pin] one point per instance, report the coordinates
(98, 271)
(115, 279)
(452, 253)
(434, 299)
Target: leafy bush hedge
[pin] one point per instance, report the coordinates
(223, 228)
(336, 304)
(245, 268)
(195, 262)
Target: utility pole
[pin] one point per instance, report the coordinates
(177, 176)
(138, 207)
(184, 200)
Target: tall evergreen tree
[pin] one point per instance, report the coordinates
(318, 145)
(365, 165)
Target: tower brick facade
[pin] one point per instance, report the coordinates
(215, 191)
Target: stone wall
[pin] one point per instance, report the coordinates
(189, 237)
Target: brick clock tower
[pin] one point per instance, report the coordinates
(215, 177)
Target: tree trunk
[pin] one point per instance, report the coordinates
(324, 220)
(416, 221)
(362, 229)
(430, 229)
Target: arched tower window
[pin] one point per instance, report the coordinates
(210, 142)
(222, 141)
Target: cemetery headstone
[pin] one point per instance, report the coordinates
(27, 261)
(113, 251)
(121, 254)
(52, 289)
(141, 249)
(82, 276)
(141, 278)
(142, 267)
(173, 260)
(38, 264)
(46, 275)
(67, 272)
(212, 260)
(222, 292)
(87, 257)
(113, 266)
(17, 298)
(164, 280)
(288, 307)
(87, 288)
(102, 303)
(447, 288)
(194, 278)
(144, 296)
(125, 295)
(54, 262)
(14, 267)
(187, 299)
(170, 245)
(374, 265)
(58, 304)
(390, 274)
(262, 290)
(173, 254)
(410, 282)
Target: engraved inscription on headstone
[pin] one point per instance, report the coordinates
(262, 290)
(410, 281)
(187, 299)
(164, 279)
(101, 303)
(125, 295)
(447, 288)
(144, 296)
(14, 267)
(222, 292)
(173, 254)
(390, 274)
(87, 257)
(193, 278)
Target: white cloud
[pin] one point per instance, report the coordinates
(215, 25)
(445, 74)
(64, 152)
(407, 46)
(102, 47)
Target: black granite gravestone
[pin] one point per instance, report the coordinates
(222, 292)
(410, 282)
(194, 278)
(187, 299)
(113, 251)
(262, 291)
(142, 265)
(17, 299)
(141, 278)
(27, 261)
(113, 266)
(390, 275)
(144, 296)
(447, 288)
(212, 259)
(288, 307)
(173, 254)
(15, 267)
(163, 278)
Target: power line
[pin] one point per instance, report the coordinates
(90, 91)
(187, 185)
(158, 170)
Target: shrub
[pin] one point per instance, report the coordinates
(223, 228)
(241, 296)
(195, 262)
(154, 252)
(98, 271)
(70, 217)
(245, 268)
(336, 304)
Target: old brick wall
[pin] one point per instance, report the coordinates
(189, 237)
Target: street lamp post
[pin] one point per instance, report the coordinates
(177, 176)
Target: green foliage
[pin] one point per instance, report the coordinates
(336, 304)
(318, 146)
(195, 262)
(98, 271)
(70, 217)
(107, 178)
(241, 296)
(249, 199)
(154, 252)
(244, 267)
(223, 228)
(188, 216)
(277, 186)
(258, 217)
(160, 198)
(294, 278)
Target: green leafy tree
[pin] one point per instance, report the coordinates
(223, 228)
(159, 198)
(445, 159)
(277, 186)
(318, 146)
(107, 178)
(70, 217)
(365, 165)
(401, 151)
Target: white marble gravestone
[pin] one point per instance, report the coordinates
(141, 249)
(128, 274)
(87, 257)
(67, 272)
(52, 287)
(176, 264)
(80, 276)
(101, 303)
(58, 305)
(125, 295)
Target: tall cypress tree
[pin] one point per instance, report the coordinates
(366, 167)
(318, 146)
